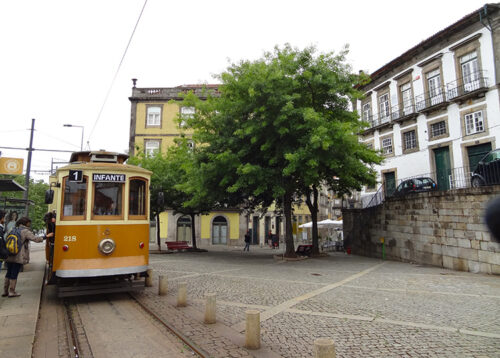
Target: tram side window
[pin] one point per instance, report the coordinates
(137, 197)
(108, 199)
(74, 198)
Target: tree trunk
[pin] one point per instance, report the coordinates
(287, 210)
(313, 208)
(158, 240)
(193, 233)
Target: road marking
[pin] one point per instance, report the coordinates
(423, 291)
(288, 304)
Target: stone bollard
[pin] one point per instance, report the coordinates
(181, 298)
(252, 331)
(163, 285)
(210, 308)
(324, 348)
(149, 278)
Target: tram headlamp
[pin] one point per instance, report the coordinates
(107, 246)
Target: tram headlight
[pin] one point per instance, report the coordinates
(107, 246)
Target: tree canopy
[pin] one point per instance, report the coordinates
(280, 126)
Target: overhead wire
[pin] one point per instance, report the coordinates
(117, 70)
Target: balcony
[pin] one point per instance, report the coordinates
(471, 86)
(376, 121)
(403, 112)
(431, 101)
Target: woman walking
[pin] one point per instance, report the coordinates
(15, 263)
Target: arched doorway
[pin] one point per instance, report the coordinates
(184, 229)
(219, 231)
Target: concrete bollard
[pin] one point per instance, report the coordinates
(252, 331)
(324, 348)
(162, 285)
(210, 308)
(181, 298)
(149, 278)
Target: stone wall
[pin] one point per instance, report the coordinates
(443, 229)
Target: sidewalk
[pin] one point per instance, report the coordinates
(18, 316)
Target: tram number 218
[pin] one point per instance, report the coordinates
(69, 238)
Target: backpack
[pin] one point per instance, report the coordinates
(13, 241)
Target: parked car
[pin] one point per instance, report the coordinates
(415, 185)
(488, 170)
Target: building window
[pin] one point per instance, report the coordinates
(470, 71)
(407, 99)
(410, 140)
(387, 146)
(384, 106)
(474, 123)
(438, 129)
(434, 83)
(153, 117)
(186, 113)
(151, 146)
(367, 112)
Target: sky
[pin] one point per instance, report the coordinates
(60, 59)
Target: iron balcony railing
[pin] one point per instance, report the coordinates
(404, 110)
(430, 99)
(466, 85)
(375, 120)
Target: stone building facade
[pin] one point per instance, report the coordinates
(435, 110)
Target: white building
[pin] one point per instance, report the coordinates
(435, 110)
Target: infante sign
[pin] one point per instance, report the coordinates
(109, 178)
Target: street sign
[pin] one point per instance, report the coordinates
(11, 166)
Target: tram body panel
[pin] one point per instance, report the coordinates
(77, 254)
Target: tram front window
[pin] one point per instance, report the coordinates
(74, 198)
(108, 199)
(137, 197)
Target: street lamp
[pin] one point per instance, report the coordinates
(83, 129)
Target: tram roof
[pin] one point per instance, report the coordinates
(105, 166)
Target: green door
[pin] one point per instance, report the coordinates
(390, 183)
(443, 167)
(476, 153)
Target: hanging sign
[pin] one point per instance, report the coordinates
(11, 166)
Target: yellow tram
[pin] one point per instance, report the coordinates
(102, 225)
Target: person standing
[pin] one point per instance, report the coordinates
(11, 222)
(2, 233)
(15, 263)
(247, 241)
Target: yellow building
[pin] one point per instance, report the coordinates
(154, 126)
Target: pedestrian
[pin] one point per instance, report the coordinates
(247, 241)
(275, 242)
(15, 263)
(11, 222)
(269, 238)
(2, 235)
(50, 224)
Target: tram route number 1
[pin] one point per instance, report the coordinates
(75, 176)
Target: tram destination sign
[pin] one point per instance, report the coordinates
(108, 178)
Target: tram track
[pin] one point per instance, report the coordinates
(81, 345)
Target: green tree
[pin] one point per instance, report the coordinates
(174, 181)
(282, 126)
(36, 194)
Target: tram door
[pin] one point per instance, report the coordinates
(184, 229)
(219, 231)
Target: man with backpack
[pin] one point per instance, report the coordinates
(17, 244)
(3, 249)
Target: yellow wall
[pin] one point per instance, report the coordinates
(163, 224)
(234, 224)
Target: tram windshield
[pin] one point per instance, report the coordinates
(74, 198)
(108, 199)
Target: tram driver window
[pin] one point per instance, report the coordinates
(107, 199)
(74, 199)
(137, 197)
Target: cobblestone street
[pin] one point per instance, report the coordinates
(371, 308)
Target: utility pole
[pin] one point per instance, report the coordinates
(28, 169)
